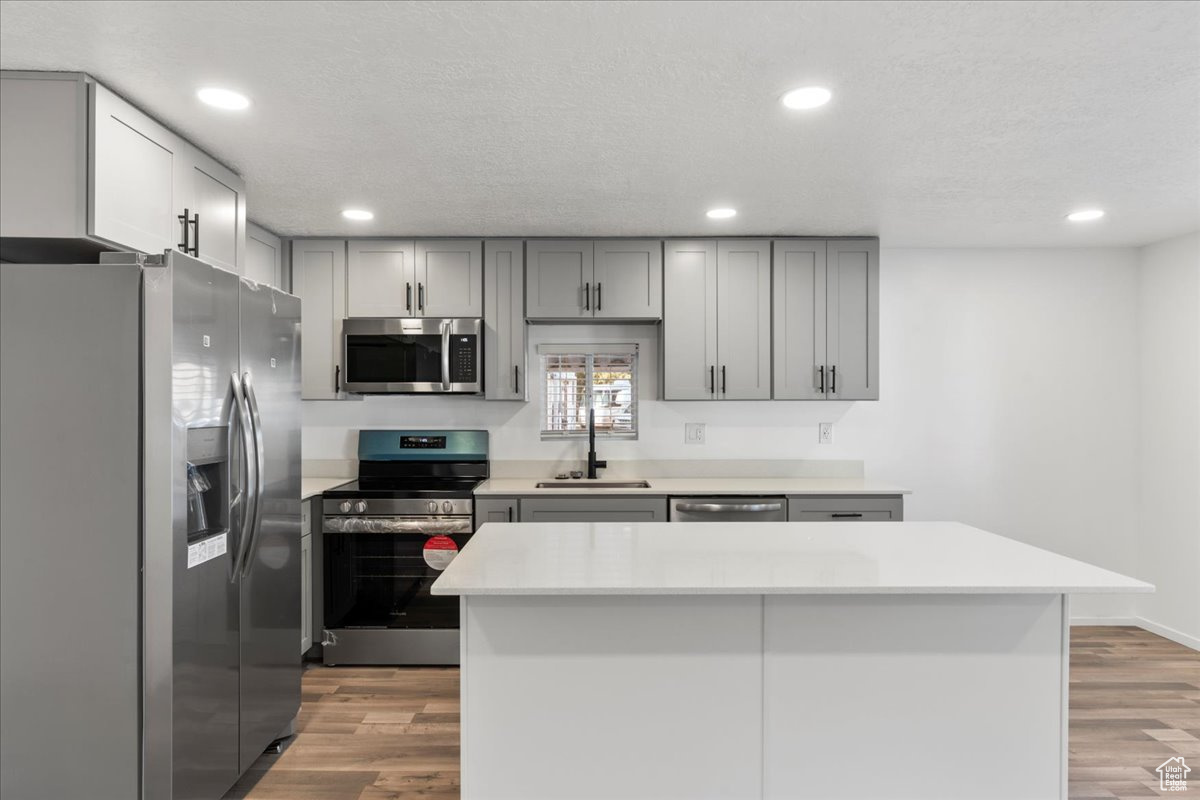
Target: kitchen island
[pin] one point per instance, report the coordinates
(777, 660)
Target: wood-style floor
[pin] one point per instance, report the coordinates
(377, 733)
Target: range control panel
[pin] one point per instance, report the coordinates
(464, 358)
(423, 442)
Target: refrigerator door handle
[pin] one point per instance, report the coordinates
(247, 496)
(260, 466)
(445, 356)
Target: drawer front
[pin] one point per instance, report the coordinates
(836, 508)
(594, 509)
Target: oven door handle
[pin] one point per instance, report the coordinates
(431, 526)
(446, 355)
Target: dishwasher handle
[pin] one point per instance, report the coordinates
(717, 508)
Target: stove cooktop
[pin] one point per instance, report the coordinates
(402, 488)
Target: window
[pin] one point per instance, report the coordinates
(578, 377)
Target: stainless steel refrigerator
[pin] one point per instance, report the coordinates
(149, 527)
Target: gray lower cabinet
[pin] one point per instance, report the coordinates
(496, 509)
(717, 320)
(306, 576)
(593, 509)
(504, 365)
(843, 508)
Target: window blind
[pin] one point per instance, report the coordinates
(576, 378)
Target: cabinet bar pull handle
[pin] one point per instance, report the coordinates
(510, 513)
(196, 234)
(846, 516)
(420, 297)
(183, 221)
(712, 380)
(408, 297)
(337, 379)
(599, 297)
(587, 297)
(833, 379)
(723, 390)
(821, 372)
(516, 378)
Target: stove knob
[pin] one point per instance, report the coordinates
(432, 507)
(447, 506)
(360, 506)
(345, 507)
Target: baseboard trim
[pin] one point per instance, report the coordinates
(1090, 621)
(1169, 633)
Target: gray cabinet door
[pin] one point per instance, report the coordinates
(380, 279)
(450, 278)
(319, 280)
(593, 509)
(798, 320)
(743, 320)
(558, 279)
(138, 173)
(629, 279)
(495, 509)
(216, 198)
(504, 363)
(264, 254)
(689, 320)
(852, 289)
(846, 508)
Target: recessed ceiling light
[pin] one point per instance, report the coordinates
(1085, 215)
(722, 213)
(807, 97)
(223, 98)
(358, 214)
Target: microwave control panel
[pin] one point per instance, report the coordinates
(464, 359)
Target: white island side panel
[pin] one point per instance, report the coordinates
(594, 698)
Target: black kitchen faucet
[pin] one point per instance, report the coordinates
(593, 463)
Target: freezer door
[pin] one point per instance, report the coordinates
(204, 473)
(270, 573)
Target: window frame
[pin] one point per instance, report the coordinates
(589, 352)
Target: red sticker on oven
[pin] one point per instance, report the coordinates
(439, 551)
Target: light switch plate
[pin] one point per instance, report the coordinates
(825, 433)
(693, 432)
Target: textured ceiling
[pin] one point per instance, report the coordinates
(977, 124)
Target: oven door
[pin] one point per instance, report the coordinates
(410, 356)
(378, 571)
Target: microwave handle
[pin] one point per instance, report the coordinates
(446, 356)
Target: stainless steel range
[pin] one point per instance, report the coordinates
(387, 537)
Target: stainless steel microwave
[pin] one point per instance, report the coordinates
(413, 356)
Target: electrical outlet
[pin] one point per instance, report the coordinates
(825, 433)
(693, 432)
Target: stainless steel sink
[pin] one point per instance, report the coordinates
(577, 484)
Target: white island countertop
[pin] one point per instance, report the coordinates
(690, 486)
(660, 558)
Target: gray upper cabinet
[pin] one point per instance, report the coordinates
(449, 278)
(852, 288)
(690, 320)
(81, 164)
(264, 256)
(744, 320)
(628, 279)
(319, 280)
(558, 279)
(717, 320)
(381, 278)
(799, 320)
(504, 364)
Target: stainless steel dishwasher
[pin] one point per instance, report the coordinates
(728, 509)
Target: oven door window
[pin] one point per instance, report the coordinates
(394, 358)
(382, 580)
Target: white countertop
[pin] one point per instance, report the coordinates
(694, 486)
(616, 558)
(311, 487)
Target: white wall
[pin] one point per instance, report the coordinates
(1169, 431)
(1009, 401)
